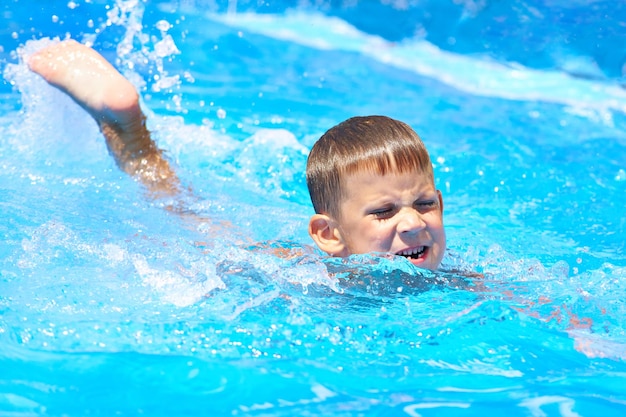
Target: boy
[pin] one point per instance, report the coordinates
(370, 178)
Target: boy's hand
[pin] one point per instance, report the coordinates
(90, 80)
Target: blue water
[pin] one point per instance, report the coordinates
(111, 305)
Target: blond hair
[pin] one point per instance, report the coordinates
(377, 144)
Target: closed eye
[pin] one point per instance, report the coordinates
(383, 213)
(425, 205)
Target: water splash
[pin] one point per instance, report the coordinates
(480, 77)
(34, 131)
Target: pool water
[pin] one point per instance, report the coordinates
(112, 305)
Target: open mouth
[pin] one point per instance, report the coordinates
(413, 253)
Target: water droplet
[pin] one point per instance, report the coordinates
(163, 25)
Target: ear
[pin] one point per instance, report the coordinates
(325, 232)
(440, 201)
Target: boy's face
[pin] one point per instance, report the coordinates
(400, 214)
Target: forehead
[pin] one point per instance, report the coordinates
(367, 185)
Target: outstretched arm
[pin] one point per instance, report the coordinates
(113, 102)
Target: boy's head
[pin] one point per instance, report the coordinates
(372, 187)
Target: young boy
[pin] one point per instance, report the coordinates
(370, 178)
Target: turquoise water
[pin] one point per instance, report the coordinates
(110, 305)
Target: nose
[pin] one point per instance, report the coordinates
(410, 221)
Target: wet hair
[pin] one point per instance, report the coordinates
(377, 144)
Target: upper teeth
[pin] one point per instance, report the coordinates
(414, 251)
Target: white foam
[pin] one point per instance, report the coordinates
(173, 286)
(565, 405)
(411, 409)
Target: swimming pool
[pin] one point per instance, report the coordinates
(111, 305)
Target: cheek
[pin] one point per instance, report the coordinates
(371, 237)
(435, 221)
(438, 232)
(381, 237)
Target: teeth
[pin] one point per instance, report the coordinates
(412, 252)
